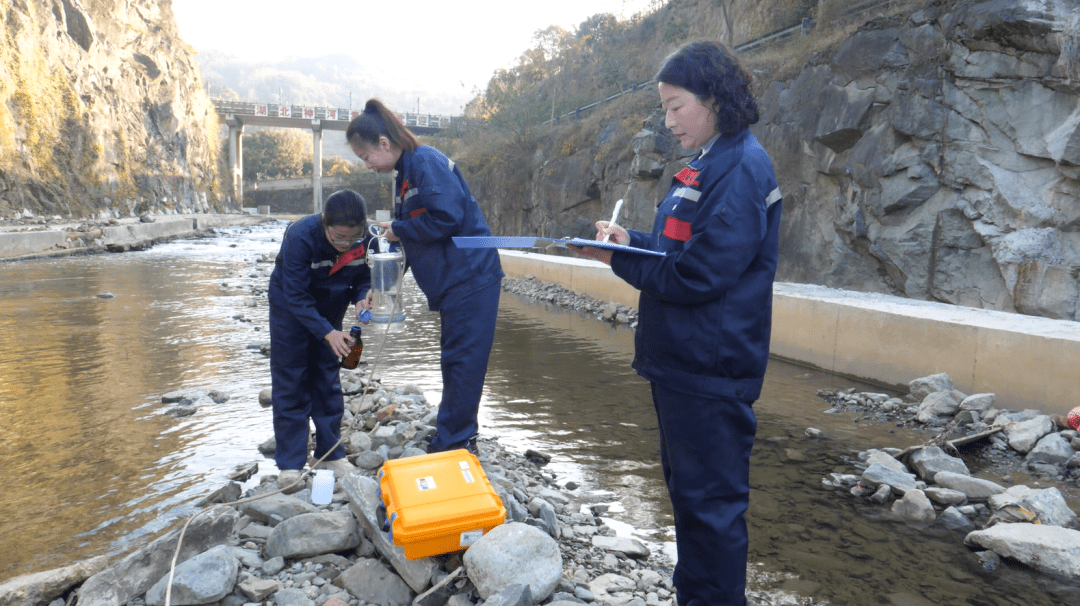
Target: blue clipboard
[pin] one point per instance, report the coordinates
(533, 242)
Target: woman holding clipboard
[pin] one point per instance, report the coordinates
(704, 314)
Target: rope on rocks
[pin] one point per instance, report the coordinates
(366, 391)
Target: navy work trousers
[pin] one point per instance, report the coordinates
(705, 448)
(306, 383)
(468, 331)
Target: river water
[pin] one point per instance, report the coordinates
(93, 465)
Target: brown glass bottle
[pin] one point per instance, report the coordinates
(353, 359)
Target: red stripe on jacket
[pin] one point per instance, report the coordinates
(677, 229)
(348, 257)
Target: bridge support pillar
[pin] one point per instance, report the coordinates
(236, 157)
(316, 165)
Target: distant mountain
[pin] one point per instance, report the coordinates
(326, 81)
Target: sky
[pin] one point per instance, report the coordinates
(447, 48)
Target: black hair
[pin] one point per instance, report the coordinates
(378, 121)
(714, 75)
(345, 208)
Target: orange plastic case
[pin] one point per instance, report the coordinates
(438, 503)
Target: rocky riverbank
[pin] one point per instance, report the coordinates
(275, 548)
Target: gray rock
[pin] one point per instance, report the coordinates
(1024, 435)
(255, 531)
(945, 496)
(979, 402)
(273, 509)
(1048, 503)
(1016, 417)
(249, 558)
(374, 583)
(976, 489)
(133, 575)
(612, 589)
(1053, 448)
(292, 597)
(875, 475)
(879, 457)
(1047, 548)
(936, 405)
(205, 578)
(512, 554)
(369, 459)
(629, 546)
(952, 519)
(364, 502)
(257, 589)
(924, 386)
(915, 507)
(930, 460)
(545, 513)
(882, 494)
(42, 587)
(515, 511)
(312, 534)
(513, 595)
(266, 397)
(273, 565)
(173, 397)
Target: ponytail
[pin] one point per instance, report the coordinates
(378, 121)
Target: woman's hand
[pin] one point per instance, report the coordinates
(602, 255)
(618, 234)
(387, 228)
(364, 303)
(339, 342)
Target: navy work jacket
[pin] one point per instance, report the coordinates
(705, 311)
(315, 283)
(432, 204)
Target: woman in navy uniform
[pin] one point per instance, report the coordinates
(432, 204)
(705, 312)
(319, 271)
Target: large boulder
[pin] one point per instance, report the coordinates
(1047, 548)
(313, 534)
(135, 574)
(45, 586)
(514, 554)
(205, 578)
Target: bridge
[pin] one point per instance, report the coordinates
(237, 115)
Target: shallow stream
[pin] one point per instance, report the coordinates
(92, 464)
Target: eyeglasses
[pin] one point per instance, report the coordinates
(342, 241)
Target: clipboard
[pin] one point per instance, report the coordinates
(533, 242)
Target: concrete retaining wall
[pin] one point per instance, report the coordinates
(19, 244)
(1028, 362)
(29, 242)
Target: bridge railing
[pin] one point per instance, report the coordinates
(276, 110)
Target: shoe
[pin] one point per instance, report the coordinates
(340, 467)
(289, 480)
(473, 447)
(469, 445)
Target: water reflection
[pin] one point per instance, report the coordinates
(95, 466)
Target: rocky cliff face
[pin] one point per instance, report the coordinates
(938, 157)
(102, 111)
(934, 155)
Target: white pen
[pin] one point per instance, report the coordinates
(614, 217)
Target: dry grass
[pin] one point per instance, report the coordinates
(786, 59)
